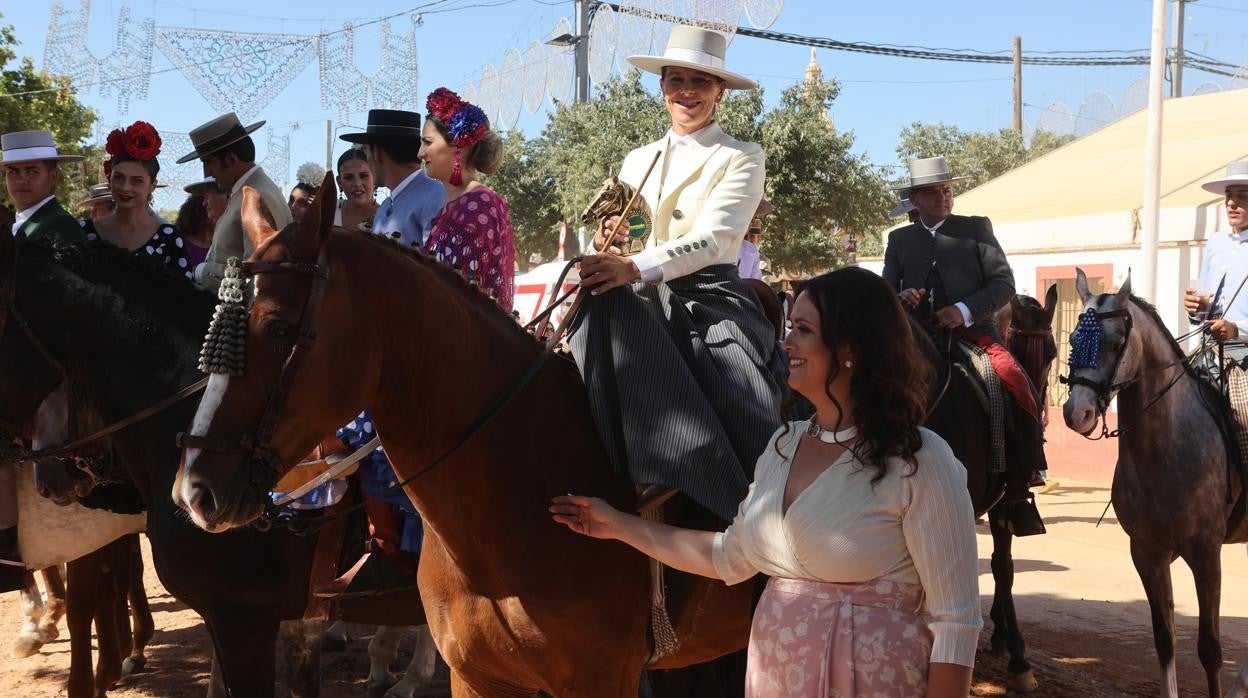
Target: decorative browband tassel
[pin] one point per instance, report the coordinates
(225, 345)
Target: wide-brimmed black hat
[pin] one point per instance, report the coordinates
(225, 130)
(387, 124)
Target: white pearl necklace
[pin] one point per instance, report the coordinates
(828, 436)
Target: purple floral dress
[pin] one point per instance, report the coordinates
(473, 234)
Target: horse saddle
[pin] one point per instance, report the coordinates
(610, 200)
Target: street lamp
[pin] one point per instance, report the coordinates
(564, 40)
(580, 46)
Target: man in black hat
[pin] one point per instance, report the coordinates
(229, 155)
(392, 141)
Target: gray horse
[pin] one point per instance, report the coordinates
(1177, 488)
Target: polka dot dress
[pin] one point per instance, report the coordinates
(473, 234)
(166, 246)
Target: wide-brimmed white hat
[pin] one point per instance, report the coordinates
(1236, 173)
(30, 146)
(928, 171)
(697, 48)
(902, 208)
(97, 193)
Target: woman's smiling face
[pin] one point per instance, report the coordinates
(690, 96)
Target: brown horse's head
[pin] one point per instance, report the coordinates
(1029, 336)
(237, 446)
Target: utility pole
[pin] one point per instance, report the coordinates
(1018, 84)
(329, 145)
(582, 50)
(1176, 80)
(1145, 284)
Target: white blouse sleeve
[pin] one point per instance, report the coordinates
(939, 528)
(728, 549)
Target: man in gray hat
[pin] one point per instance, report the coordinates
(952, 268)
(392, 141)
(30, 161)
(99, 201)
(225, 147)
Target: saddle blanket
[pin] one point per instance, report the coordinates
(1006, 368)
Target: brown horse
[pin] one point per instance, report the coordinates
(462, 397)
(1178, 484)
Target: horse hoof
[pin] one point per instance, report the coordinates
(48, 633)
(26, 647)
(377, 688)
(1022, 683)
(402, 689)
(133, 665)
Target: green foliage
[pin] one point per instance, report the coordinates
(979, 155)
(821, 191)
(57, 110)
(532, 201)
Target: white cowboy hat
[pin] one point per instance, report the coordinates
(222, 131)
(697, 48)
(1236, 173)
(31, 146)
(928, 171)
(902, 208)
(96, 194)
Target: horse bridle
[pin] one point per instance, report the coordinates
(1105, 389)
(265, 461)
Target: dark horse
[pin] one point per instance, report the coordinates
(1179, 483)
(127, 334)
(516, 603)
(959, 414)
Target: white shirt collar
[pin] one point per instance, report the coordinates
(674, 140)
(1238, 237)
(243, 180)
(934, 228)
(406, 181)
(25, 214)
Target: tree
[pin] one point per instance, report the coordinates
(979, 155)
(31, 99)
(822, 192)
(527, 185)
(310, 173)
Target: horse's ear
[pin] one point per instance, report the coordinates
(257, 220)
(1081, 285)
(1050, 302)
(1016, 308)
(1124, 293)
(318, 221)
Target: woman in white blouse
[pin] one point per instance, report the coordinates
(859, 516)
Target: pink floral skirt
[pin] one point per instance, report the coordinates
(823, 640)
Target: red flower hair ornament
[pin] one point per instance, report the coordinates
(138, 141)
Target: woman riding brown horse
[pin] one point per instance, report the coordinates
(471, 446)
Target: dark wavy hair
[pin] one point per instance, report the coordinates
(891, 377)
(152, 166)
(192, 216)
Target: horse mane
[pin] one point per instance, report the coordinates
(474, 294)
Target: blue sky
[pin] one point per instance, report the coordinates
(880, 94)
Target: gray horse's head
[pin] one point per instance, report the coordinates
(1103, 354)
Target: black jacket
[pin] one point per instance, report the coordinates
(970, 266)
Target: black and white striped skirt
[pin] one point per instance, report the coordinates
(685, 381)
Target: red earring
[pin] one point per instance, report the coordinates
(457, 178)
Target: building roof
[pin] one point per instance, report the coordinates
(1090, 190)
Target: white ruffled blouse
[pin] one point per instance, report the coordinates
(916, 528)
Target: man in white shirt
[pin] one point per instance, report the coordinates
(1225, 265)
(749, 259)
(229, 155)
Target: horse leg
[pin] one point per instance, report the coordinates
(299, 645)
(382, 650)
(54, 591)
(144, 626)
(1153, 566)
(216, 680)
(1240, 689)
(83, 581)
(1206, 565)
(420, 670)
(28, 638)
(1005, 631)
(112, 623)
(244, 656)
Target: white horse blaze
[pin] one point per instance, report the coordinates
(214, 393)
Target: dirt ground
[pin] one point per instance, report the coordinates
(1080, 604)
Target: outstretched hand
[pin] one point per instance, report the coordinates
(588, 516)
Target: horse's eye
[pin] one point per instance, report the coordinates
(279, 329)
